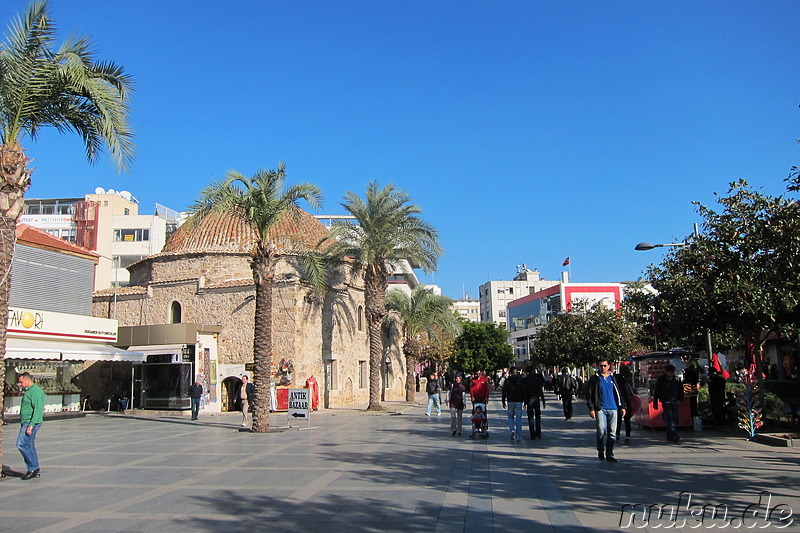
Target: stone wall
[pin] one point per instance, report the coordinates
(310, 330)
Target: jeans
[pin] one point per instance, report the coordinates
(26, 444)
(455, 420)
(626, 420)
(434, 399)
(515, 418)
(670, 415)
(535, 419)
(606, 427)
(195, 408)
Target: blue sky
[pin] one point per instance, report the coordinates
(527, 131)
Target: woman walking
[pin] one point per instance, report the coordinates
(456, 403)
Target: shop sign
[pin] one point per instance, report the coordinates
(37, 324)
(299, 400)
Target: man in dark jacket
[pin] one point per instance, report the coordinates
(434, 399)
(669, 391)
(512, 392)
(244, 395)
(604, 400)
(567, 388)
(195, 393)
(533, 392)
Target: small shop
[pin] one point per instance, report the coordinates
(175, 355)
(64, 353)
(647, 368)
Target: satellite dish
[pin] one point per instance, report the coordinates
(99, 190)
(111, 191)
(126, 195)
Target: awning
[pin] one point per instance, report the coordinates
(68, 351)
(158, 349)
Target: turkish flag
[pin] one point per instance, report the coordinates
(566, 262)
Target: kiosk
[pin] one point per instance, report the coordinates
(646, 370)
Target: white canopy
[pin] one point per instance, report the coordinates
(68, 351)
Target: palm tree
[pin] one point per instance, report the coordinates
(64, 88)
(261, 201)
(423, 316)
(386, 228)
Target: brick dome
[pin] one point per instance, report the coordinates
(227, 233)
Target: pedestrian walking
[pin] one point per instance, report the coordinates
(629, 398)
(456, 403)
(533, 393)
(604, 400)
(433, 388)
(31, 416)
(669, 391)
(567, 389)
(479, 388)
(244, 395)
(512, 394)
(196, 393)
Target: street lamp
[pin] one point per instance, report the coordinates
(644, 246)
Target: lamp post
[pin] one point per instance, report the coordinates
(644, 246)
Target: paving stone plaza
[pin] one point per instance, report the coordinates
(397, 471)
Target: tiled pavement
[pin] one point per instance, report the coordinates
(397, 471)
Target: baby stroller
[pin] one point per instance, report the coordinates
(480, 422)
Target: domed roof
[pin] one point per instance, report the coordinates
(228, 233)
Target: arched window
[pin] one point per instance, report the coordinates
(360, 318)
(175, 313)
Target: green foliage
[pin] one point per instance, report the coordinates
(740, 276)
(482, 345)
(63, 87)
(582, 336)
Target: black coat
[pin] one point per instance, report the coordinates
(195, 391)
(250, 390)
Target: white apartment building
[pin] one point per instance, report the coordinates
(107, 222)
(495, 295)
(468, 308)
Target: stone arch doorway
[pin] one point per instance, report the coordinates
(229, 387)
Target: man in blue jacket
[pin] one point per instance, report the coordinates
(605, 403)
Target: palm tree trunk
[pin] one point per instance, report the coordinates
(263, 269)
(375, 283)
(8, 227)
(411, 383)
(14, 181)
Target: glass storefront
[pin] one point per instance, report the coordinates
(60, 381)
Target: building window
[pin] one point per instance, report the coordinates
(69, 235)
(127, 211)
(131, 235)
(332, 374)
(175, 313)
(360, 318)
(363, 375)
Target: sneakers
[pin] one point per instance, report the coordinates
(611, 459)
(454, 433)
(513, 435)
(439, 413)
(427, 414)
(676, 439)
(627, 440)
(601, 456)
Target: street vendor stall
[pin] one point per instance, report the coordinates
(646, 370)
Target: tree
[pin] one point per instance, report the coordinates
(261, 201)
(583, 336)
(64, 88)
(419, 315)
(740, 277)
(387, 227)
(482, 345)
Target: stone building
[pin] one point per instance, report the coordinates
(194, 301)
